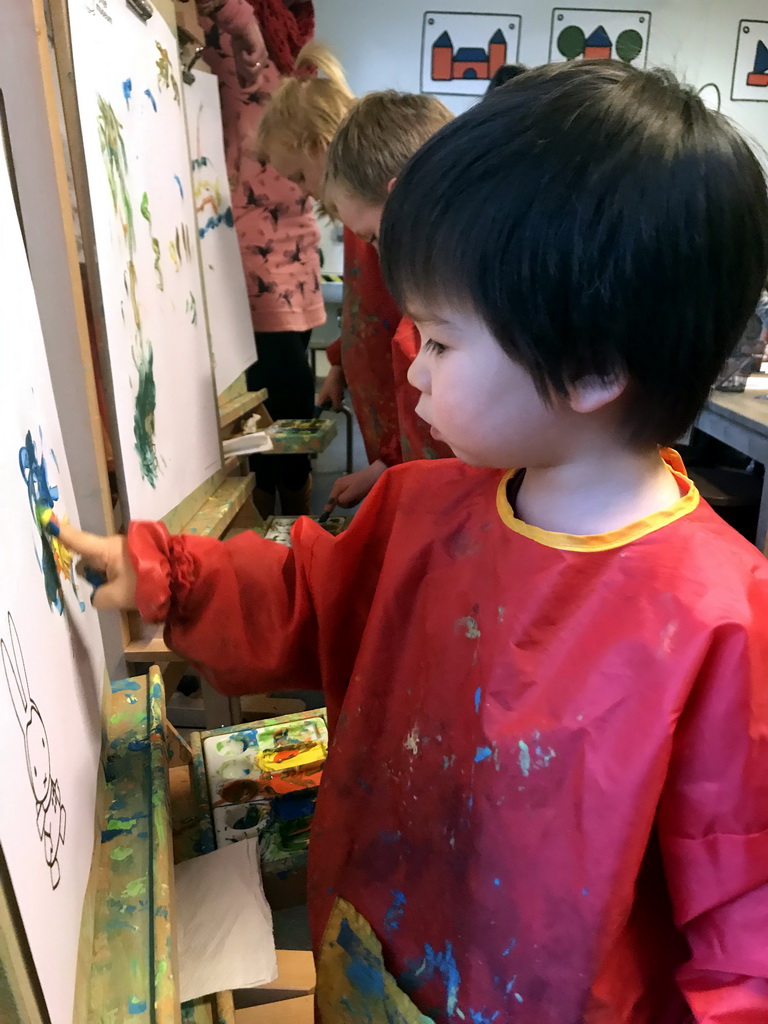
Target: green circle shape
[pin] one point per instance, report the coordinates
(571, 41)
(629, 45)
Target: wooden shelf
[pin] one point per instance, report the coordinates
(233, 410)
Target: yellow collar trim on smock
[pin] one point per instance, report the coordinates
(688, 501)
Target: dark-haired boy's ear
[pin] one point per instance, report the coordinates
(391, 184)
(593, 393)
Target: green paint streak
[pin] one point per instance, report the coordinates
(135, 888)
(165, 76)
(145, 212)
(121, 853)
(144, 413)
(120, 826)
(116, 165)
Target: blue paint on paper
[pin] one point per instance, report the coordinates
(151, 98)
(213, 222)
(177, 179)
(396, 910)
(127, 90)
(525, 758)
(482, 754)
(478, 694)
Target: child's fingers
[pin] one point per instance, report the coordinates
(95, 550)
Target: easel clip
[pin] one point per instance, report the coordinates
(141, 8)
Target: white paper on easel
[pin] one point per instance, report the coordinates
(224, 924)
(226, 295)
(128, 81)
(51, 657)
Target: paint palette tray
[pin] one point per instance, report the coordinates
(278, 528)
(263, 780)
(301, 436)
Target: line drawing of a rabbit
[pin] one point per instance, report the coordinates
(51, 814)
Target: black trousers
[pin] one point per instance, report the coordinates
(283, 368)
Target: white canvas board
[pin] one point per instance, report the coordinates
(598, 33)
(226, 295)
(750, 64)
(128, 84)
(461, 51)
(51, 658)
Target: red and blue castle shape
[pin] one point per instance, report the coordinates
(759, 75)
(468, 62)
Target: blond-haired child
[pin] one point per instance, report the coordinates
(294, 135)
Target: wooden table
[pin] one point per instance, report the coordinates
(741, 421)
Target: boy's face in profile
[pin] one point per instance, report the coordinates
(480, 402)
(363, 219)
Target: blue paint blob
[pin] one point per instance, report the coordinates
(363, 971)
(138, 745)
(518, 997)
(482, 754)
(136, 1006)
(442, 963)
(151, 98)
(497, 881)
(177, 179)
(127, 90)
(478, 694)
(585, 892)
(394, 915)
(213, 222)
(479, 1017)
(119, 685)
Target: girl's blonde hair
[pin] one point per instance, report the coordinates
(306, 109)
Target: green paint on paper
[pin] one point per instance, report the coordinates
(145, 212)
(165, 76)
(116, 164)
(144, 413)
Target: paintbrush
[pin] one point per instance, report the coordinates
(317, 412)
(327, 514)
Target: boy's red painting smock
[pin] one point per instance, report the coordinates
(369, 317)
(546, 798)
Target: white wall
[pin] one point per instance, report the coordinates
(379, 42)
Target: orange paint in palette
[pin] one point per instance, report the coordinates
(263, 780)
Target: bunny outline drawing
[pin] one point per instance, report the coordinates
(51, 815)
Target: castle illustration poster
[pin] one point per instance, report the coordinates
(461, 52)
(750, 65)
(594, 34)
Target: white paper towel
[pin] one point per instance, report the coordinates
(224, 926)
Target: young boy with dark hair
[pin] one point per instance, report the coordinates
(546, 799)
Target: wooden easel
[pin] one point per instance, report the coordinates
(213, 506)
